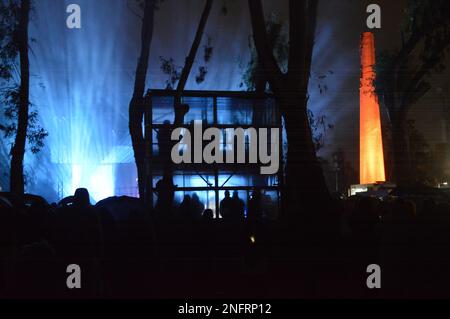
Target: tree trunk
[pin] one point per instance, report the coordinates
(17, 184)
(180, 110)
(137, 103)
(399, 163)
(305, 182)
(400, 156)
(260, 78)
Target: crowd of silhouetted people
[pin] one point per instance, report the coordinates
(112, 241)
(124, 250)
(410, 240)
(231, 208)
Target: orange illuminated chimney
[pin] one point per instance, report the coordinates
(371, 144)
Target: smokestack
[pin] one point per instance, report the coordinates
(371, 144)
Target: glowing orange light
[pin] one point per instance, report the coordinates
(370, 143)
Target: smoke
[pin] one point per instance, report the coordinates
(82, 80)
(81, 87)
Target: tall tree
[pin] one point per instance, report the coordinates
(305, 182)
(137, 103)
(181, 77)
(254, 80)
(402, 76)
(140, 99)
(14, 29)
(22, 122)
(18, 150)
(424, 169)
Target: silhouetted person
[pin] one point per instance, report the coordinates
(78, 238)
(266, 205)
(254, 206)
(185, 210)
(79, 227)
(81, 198)
(164, 140)
(208, 215)
(165, 190)
(197, 207)
(226, 206)
(237, 207)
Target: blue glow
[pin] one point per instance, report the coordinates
(82, 82)
(82, 96)
(99, 180)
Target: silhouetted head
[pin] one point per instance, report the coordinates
(195, 197)
(208, 214)
(227, 194)
(81, 197)
(235, 194)
(186, 199)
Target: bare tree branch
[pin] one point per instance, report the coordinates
(194, 48)
(263, 48)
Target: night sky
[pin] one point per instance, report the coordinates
(84, 78)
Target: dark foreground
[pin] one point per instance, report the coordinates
(131, 255)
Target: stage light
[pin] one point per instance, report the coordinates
(99, 180)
